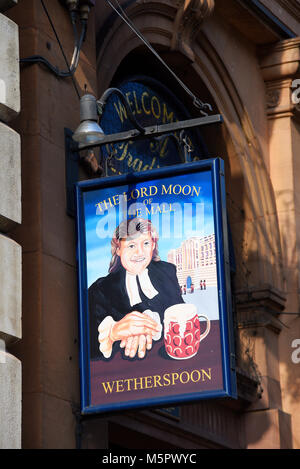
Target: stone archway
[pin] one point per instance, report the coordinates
(174, 25)
(257, 237)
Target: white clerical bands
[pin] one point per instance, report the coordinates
(106, 325)
(145, 284)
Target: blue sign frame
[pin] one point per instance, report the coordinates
(89, 192)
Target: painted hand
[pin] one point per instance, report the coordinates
(137, 345)
(134, 324)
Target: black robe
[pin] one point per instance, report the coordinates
(108, 297)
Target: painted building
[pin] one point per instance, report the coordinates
(240, 56)
(195, 261)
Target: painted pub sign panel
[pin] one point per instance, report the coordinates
(155, 325)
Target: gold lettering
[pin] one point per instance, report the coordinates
(192, 376)
(146, 111)
(144, 192)
(167, 380)
(164, 148)
(148, 382)
(138, 110)
(124, 195)
(208, 375)
(146, 167)
(116, 200)
(158, 108)
(181, 378)
(137, 192)
(189, 190)
(108, 387)
(130, 102)
(121, 110)
(124, 147)
(177, 189)
(129, 162)
(196, 191)
(157, 380)
(128, 381)
(99, 208)
(137, 164)
(106, 205)
(175, 377)
(167, 117)
(120, 386)
(138, 382)
(166, 191)
(151, 193)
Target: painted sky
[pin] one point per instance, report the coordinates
(184, 216)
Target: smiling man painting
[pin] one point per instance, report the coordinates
(127, 306)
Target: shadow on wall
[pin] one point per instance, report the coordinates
(259, 286)
(290, 248)
(258, 305)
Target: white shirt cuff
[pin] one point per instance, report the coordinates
(104, 329)
(155, 316)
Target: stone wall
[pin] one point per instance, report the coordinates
(224, 60)
(10, 216)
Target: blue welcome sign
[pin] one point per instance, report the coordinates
(151, 103)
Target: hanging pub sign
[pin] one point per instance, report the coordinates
(151, 103)
(154, 288)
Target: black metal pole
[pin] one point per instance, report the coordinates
(152, 131)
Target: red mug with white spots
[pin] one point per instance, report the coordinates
(182, 331)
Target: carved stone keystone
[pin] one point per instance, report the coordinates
(190, 15)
